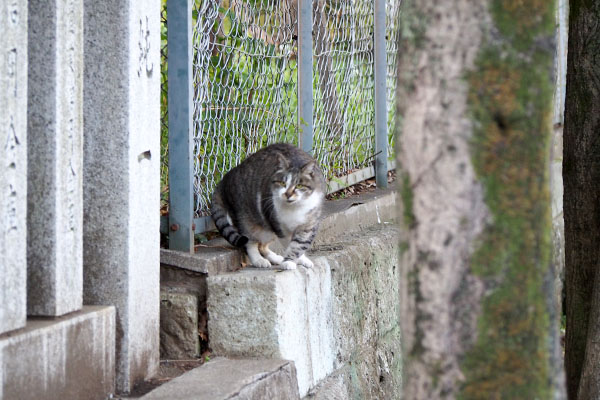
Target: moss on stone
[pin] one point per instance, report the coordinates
(522, 22)
(510, 93)
(406, 193)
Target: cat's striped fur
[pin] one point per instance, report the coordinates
(275, 193)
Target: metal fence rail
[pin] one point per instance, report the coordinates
(256, 72)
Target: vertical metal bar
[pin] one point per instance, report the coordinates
(381, 110)
(181, 211)
(305, 75)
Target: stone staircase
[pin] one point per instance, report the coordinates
(337, 324)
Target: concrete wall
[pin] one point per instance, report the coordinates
(54, 177)
(48, 181)
(13, 164)
(338, 322)
(61, 358)
(121, 176)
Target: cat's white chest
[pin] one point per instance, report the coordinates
(294, 215)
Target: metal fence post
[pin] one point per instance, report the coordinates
(181, 196)
(305, 75)
(381, 111)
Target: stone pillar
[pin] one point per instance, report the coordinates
(121, 176)
(13, 163)
(55, 123)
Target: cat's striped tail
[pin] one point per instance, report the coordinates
(224, 224)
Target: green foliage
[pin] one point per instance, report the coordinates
(246, 91)
(164, 128)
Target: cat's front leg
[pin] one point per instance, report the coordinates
(270, 255)
(300, 243)
(305, 261)
(256, 259)
(302, 260)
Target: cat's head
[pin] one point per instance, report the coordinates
(293, 184)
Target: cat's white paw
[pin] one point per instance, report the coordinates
(274, 258)
(261, 263)
(305, 262)
(288, 265)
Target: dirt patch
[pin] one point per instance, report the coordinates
(168, 370)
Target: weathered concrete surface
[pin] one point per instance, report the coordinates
(356, 213)
(215, 257)
(222, 379)
(339, 217)
(13, 164)
(187, 273)
(70, 357)
(178, 326)
(55, 133)
(343, 312)
(337, 386)
(188, 287)
(121, 170)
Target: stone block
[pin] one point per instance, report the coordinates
(121, 176)
(343, 312)
(69, 357)
(356, 213)
(55, 130)
(268, 313)
(216, 258)
(337, 386)
(178, 326)
(13, 164)
(222, 379)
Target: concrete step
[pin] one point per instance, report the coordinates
(342, 312)
(339, 218)
(183, 276)
(341, 315)
(221, 378)
(68, 357)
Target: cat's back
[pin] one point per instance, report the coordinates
(266, 162)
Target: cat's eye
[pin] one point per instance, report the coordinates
(301, 187)
(280, 183)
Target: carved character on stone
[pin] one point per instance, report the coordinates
(11, 64)
(144, 44)
(13, 13)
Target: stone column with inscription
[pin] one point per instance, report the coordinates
(121, 176)
(13, 163)
(55, 128)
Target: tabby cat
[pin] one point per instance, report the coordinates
(276, 192)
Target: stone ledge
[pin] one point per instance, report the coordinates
(69, 357)
(216, 257)
(222, 379)
(340, 217)
(338, 313)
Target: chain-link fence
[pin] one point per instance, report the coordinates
(164, 114)
(245, 76)
(244, 85)
(392, 31)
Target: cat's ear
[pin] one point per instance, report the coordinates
(283, 162)
(309, 168)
